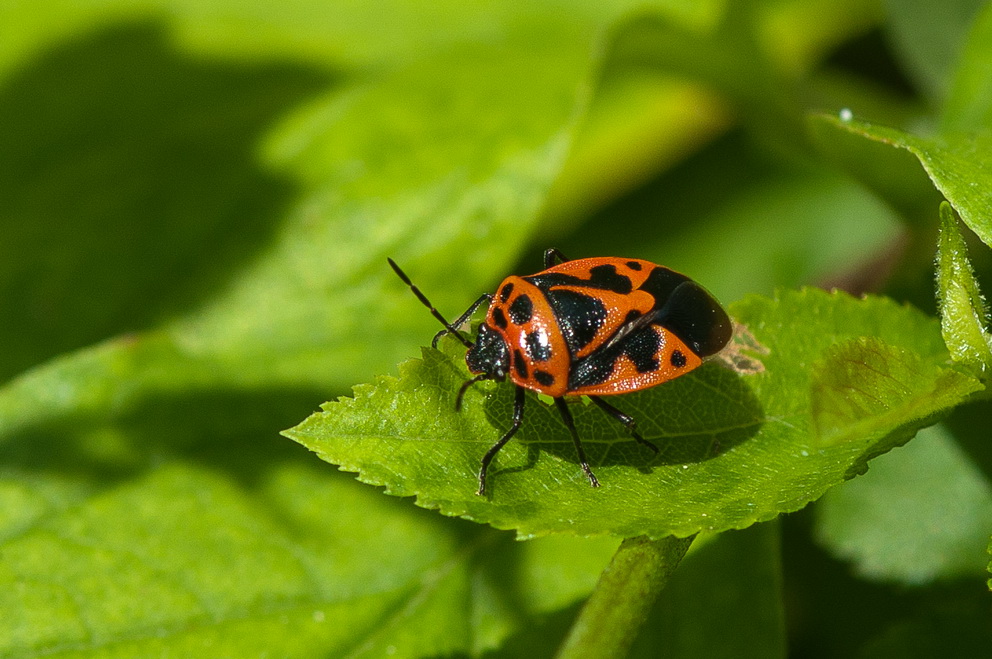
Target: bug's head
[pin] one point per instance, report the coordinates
(489, 358)
(490, 355)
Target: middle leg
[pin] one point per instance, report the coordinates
(566, 416)
(625, 419)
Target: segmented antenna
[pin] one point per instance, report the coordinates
(427, 303)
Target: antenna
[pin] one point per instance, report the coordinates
(427, 303)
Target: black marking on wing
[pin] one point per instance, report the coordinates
(692, 314)
(579, 317)
(660, 284)
(640, 345)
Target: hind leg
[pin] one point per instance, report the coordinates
(566, 416)
(625, 419)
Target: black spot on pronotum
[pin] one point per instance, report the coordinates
(520, 364)
(633, 265)
(544, 378)
(537, 347)
(521, 310)
(678, 359)
(504, 293)
(498, 318)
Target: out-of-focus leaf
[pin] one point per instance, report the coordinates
(130, 189)
(928, 37)
(802, 224)
(184, 561)
(969, 105)
(797, 34)
(958, 165)
(640, 122)
(921, 513)
(734, 450)
(724, 601)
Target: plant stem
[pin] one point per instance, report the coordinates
(628, 587)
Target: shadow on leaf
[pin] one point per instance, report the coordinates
(131, 185)
(690, 419)
(232, 431)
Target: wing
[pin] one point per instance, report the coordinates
(645, 355)
(654, 348)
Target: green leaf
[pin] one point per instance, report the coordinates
(957, 164)
(191, 182)
(734, 450)
(185, 561)
(921, 513)
(863, 386)
(963, 311)
(969, 104)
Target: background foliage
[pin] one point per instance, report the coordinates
(196, 202)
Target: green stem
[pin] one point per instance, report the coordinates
(628, 587)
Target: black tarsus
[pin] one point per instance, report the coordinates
(551, 254)
(518, 417)
(566, 417)
(625, 419)
(466, 385)
(448, 327)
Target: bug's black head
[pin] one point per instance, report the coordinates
(489, 355)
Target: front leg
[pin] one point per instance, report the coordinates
(518, 417)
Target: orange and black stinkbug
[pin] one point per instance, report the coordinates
(590, 327)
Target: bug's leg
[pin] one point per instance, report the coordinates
(518, 417)
(465, 386)
(625, 419)
(566, 416)
(458, 322)
(551, 254)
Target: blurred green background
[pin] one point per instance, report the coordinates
(196, 201)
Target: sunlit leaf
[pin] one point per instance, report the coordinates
(963, 310)
(734, 449)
